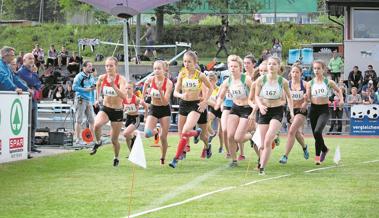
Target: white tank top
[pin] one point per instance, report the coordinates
(238, 90)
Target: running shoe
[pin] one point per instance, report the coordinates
(196, 138)
(273, 145)
(323, 155)
(209, 151)
(261, 172)
(277, 140)
(115, 162)
(173, 163)
(317, 160)
(220, 150)
(162, 161)
(156, 136)
(283, 159)
(95, 147)
(233, 164)
(241, 157)
(203, 153)
(306, 152)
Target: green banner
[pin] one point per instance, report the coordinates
(246, 6)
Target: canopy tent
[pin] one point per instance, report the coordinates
(126, 9)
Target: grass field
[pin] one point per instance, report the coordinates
(79, 185)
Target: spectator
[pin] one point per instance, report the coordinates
(19, 60)
(370, 97)
(58, 94)
(14, 67)
(367, 87)
(84, 85)
(355, 78)
(52, 58)
(70, 93)
(264, 56)
(335, 66)
(370, 74)
(354, 98)
(337, 113)
(149, 35)
(9, 82)
(276, 50)
(74, 64)
(222, 40)
(39, 56)
(28, 72)
(376, 97)
(63, 56)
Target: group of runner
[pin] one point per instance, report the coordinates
(252, 100)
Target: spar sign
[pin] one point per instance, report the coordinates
(14, 121)
(364, 120)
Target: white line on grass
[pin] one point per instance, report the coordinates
(323, 168)
(262, 180)
(183, 202)
(371, 161)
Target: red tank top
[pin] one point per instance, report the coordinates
(154, 89)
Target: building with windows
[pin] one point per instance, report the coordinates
(361, 31)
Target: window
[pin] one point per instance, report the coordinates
(365, 23)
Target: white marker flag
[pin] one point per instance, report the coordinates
(337, 155)
(137, 155)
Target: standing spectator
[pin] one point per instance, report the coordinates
(84, 85)
(58, 94)
(63, 56)
(20, 59)
(14, 67)
(52, 58)
(337, 113)
(222, 40)
(355, 78)
(370, 74)
(28, 72)
(39, 56)
(276, 49)
(8, 82)
(354, 98)
(149, 35)
(335, 65)
(74, 64)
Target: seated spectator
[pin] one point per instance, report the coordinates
(369, 98)
(368, 86)
(355, 78)
(370, 74)
(376, 97)
(74, 64)
(39, 56)
(70, 94)
(354, 98)
(63, 56)
(52, 58)
(59, 93)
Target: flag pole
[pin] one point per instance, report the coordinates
(131, 190)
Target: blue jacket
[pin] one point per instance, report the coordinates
(8, 82)
(81, 82)
(31, 79)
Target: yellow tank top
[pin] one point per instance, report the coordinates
(215, 93)
(191, 84)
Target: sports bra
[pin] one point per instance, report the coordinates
(271, 91)
(297, 95)
(106, 87)
(191, 84)
(131, 106)
(154, 92)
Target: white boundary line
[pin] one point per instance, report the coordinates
(370, 161)
(233, 187)
(323, 168)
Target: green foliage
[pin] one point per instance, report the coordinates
(243, 38)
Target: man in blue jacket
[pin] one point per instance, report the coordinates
(84, 84)
(9, 82)
(28, 74)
